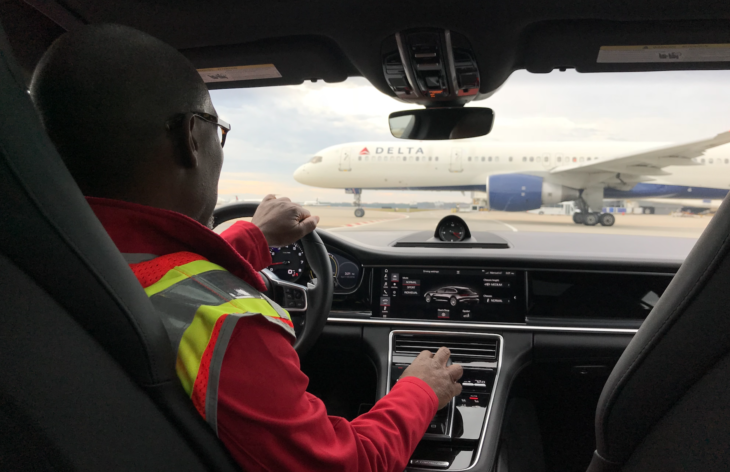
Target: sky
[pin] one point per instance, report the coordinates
(277, 129)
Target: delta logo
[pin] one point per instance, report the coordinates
(392, 150)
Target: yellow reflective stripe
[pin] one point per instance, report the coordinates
(197, 336)
(193, 343)
(256, 305)
(180, 273)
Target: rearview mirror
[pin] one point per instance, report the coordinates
(441, 123)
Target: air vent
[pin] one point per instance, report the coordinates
(463, 348)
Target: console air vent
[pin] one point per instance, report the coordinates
(463, 348)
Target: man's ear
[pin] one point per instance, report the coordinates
(190, 146)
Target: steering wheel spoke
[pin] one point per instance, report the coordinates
(290, 296)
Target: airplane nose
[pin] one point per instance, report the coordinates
(300, 173)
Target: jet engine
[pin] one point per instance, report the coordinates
(522, 192)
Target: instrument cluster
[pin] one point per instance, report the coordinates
(289, 263)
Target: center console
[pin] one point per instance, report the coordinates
(453, 440)
(484, 316)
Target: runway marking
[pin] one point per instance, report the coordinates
(364, 223)
(509, 226)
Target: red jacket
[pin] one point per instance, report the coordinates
(266, 418)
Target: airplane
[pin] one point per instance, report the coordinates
(314, 202)
(524, 176)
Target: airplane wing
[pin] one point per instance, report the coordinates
(635, 167)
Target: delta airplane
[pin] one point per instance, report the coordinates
(524, 176)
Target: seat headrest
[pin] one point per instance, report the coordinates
(50, 232)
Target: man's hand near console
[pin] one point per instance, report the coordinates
(435, 371)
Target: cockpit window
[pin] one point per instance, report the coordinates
(316, 160)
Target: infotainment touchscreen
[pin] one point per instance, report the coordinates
(485, 295)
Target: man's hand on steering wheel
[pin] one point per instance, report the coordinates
(283, 222)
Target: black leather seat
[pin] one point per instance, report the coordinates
(666, 405)
(88, 379)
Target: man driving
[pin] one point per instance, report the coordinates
(136, 127)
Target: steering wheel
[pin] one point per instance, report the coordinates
(316, 296)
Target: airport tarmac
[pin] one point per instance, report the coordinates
(342, 219)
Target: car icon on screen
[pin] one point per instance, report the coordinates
(452, 295)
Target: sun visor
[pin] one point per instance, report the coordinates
(607, 46)
(285, 61)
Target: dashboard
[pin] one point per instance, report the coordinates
(597, 282)
(498, 295)
(500, 302)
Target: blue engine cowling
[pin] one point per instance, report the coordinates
(514, 192)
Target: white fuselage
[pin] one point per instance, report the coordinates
(466, 166)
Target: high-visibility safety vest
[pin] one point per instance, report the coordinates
(200, 303)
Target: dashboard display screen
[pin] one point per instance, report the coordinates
(486, 295)
(592, 295)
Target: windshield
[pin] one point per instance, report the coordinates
(636, 146)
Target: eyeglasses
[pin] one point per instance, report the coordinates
(223, 127)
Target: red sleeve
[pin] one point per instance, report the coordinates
(269, 422)
(248, 240)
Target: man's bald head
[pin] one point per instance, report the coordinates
(105, 94)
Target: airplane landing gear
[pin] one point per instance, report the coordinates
(359, 211)
(584, 216)
(590, 219)
(606, 219)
